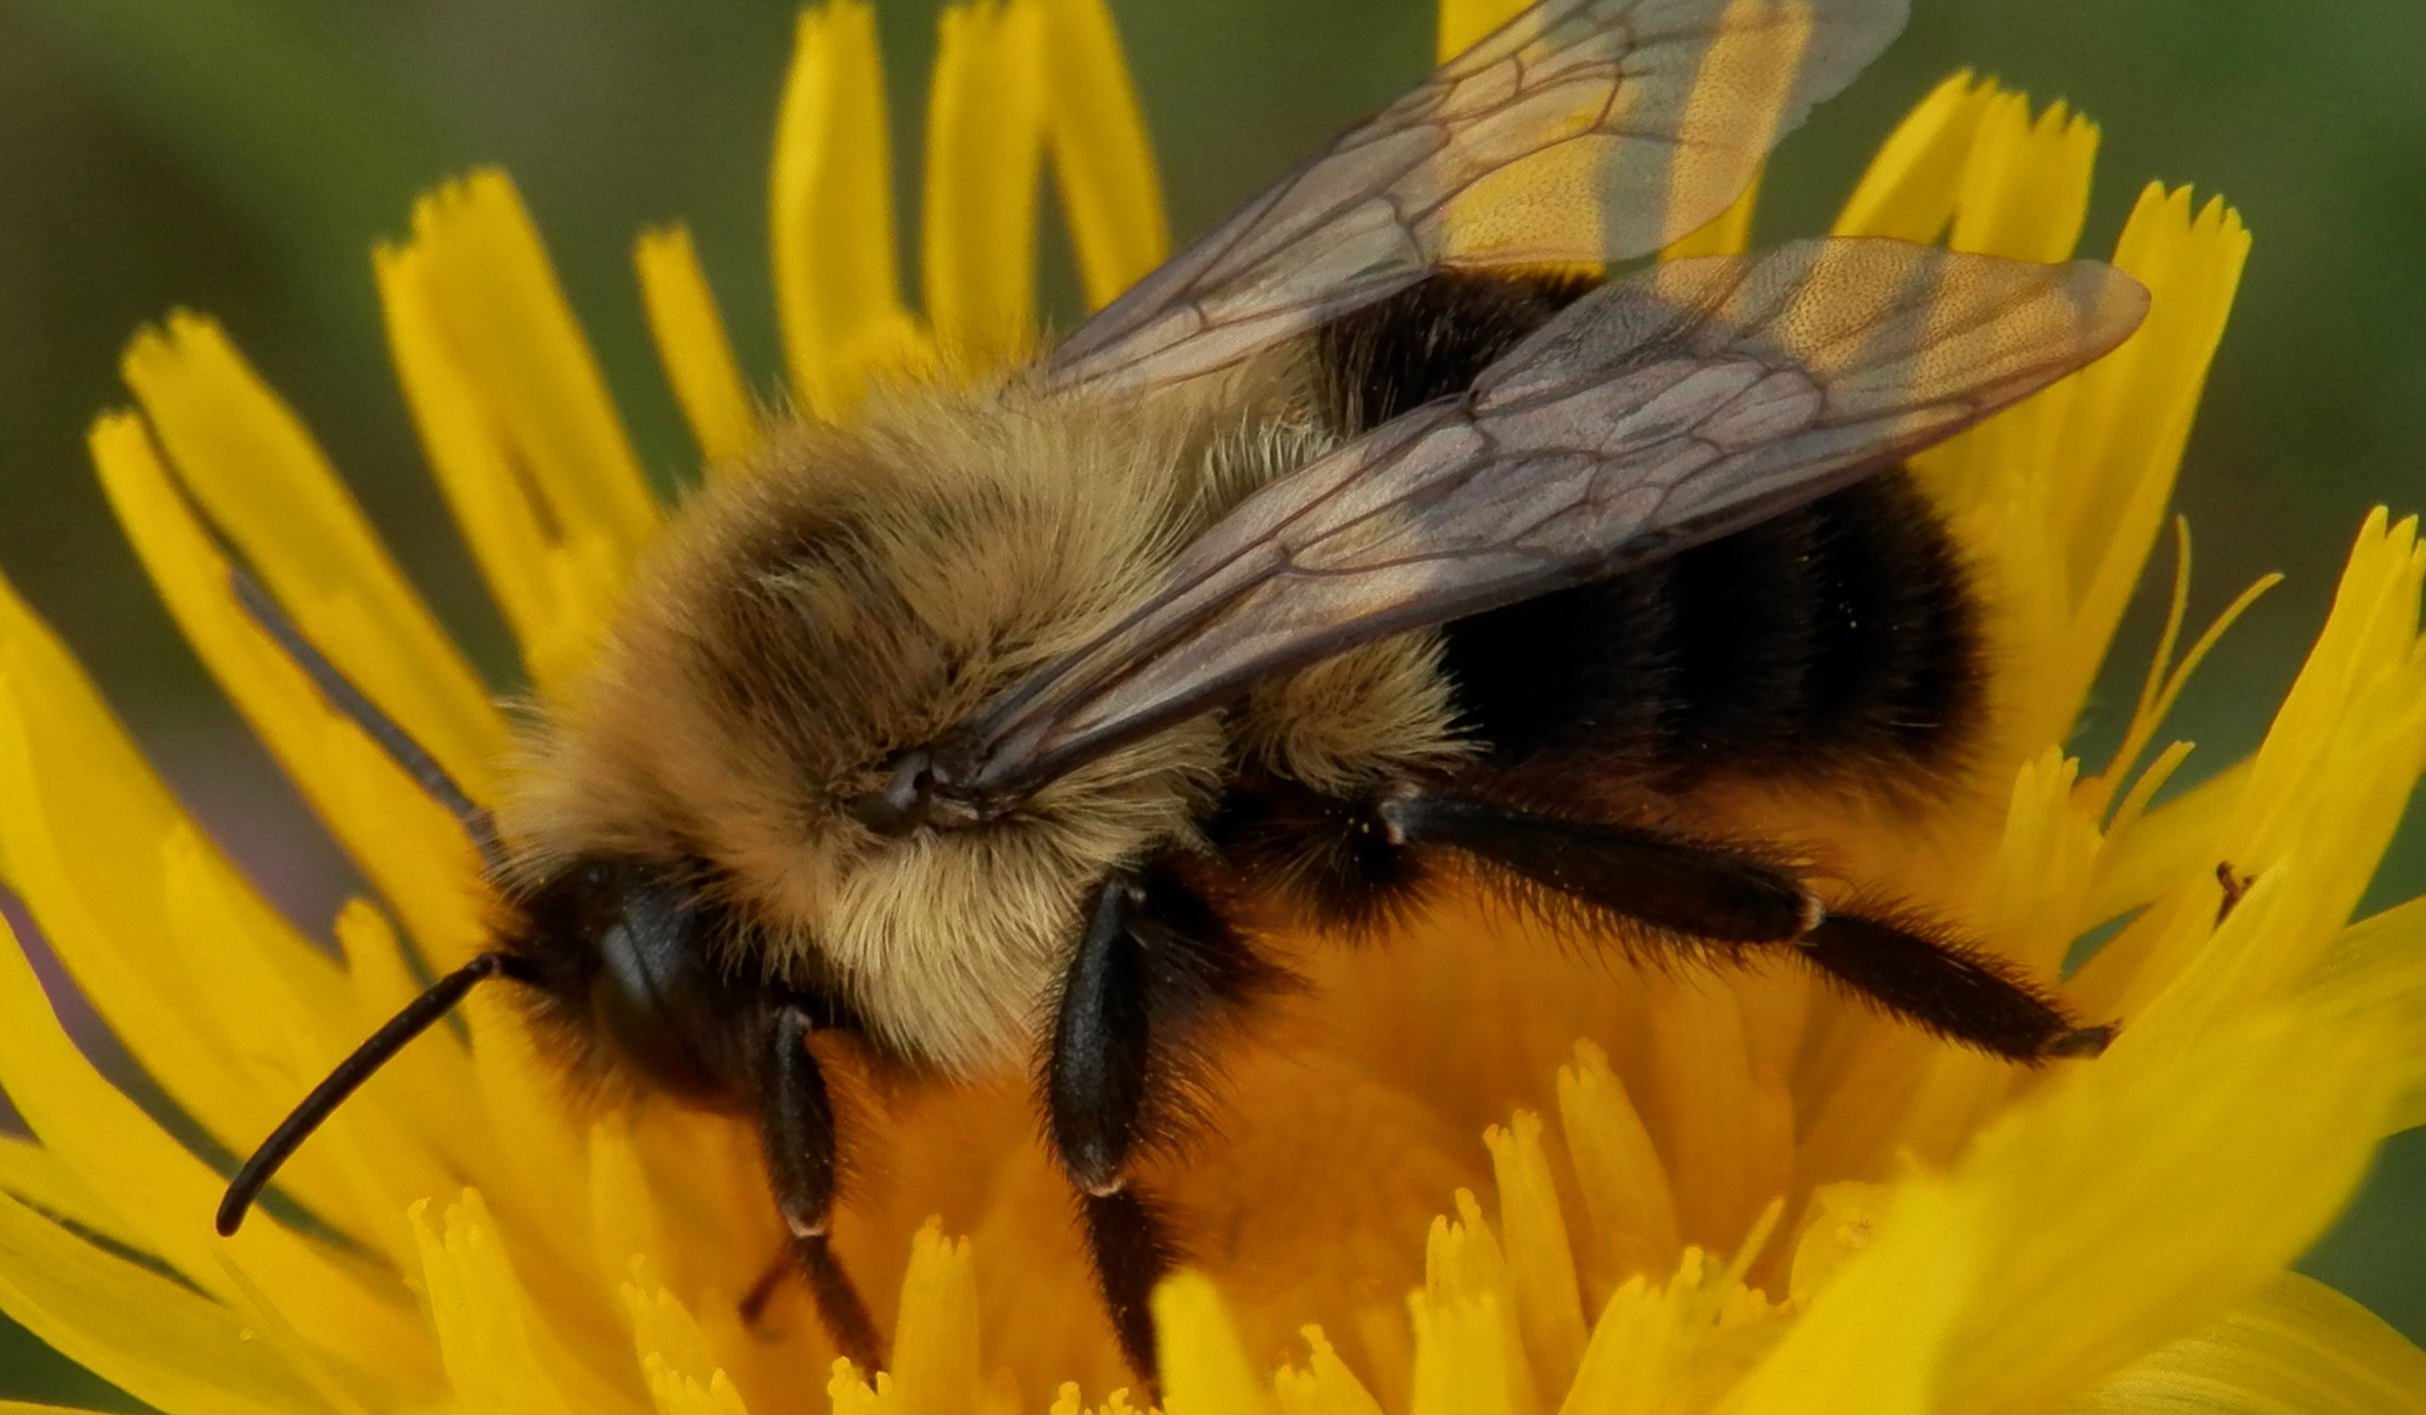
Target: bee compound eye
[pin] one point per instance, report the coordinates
(659, 1001)
(903, 803)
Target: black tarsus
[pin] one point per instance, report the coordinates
(416, 1017)
(796, 1126)
(1701, 892)
(1130, 1241)
(754, 1303)
(356, 707)
(1948, 987)
(840, 1308)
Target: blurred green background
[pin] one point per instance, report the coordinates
(239, 156)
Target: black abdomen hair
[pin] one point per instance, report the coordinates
(1836, 639)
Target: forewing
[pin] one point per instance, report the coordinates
(1583, 131)
(1666, 409)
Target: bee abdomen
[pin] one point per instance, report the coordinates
(1837, 637)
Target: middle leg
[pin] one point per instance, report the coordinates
(796, 1129)
(1153, 963)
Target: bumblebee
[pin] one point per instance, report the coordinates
(1370, 539)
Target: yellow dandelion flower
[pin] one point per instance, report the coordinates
(1756, 1196)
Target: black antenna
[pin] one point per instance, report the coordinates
(356, 707)
(416, 1018)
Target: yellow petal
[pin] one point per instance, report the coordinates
(513, 333)
(2025, 182)
(157, 1190)
(550, 600)
(515, 416)
(2165, 846)
(852, 1396)
(408, 846)
(1469, 1349)
(2375, 974)
(692, 344)
(149, 1335)
(1323, 1386)
(2060, 499)
(687, 1192)
(1739, 90)
(1676, 1345)
(2131, 411)
(1844, 1215)
(1462, 22)
(1970, 157)
(429, 1089)
(625, 1235)
(1205, 1370)
(34, 1176)
(2350, 738)
(703, 1181)
(837, 295)
(2046, 855)
(1467, 1361)
(212, 992)
(1730, 1121)
(477, 1310)
(1541, 1262)
(2240, 1149)
(1870, 1344)
(1625, 1187)
(541, 1172)
(1101, 159)
(1462, 1258)
(677, 1395)
(682, 1375)
(501, 520)
(985, 146)
(246, 459)
(934, 1359)
(2319, 803)
(2299, 1345)
(1910, 188)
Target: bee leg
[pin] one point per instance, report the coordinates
(796, 1124)
(754, 1303)
(1129, 1240)
(1949, 986)
(1096, 1081)
(1727, 899)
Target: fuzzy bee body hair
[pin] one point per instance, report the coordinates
(1351, 549)
(856, 592)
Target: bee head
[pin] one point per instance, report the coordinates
(627, 969)
(624, 965)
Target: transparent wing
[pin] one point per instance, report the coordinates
(1582, 131)
(1666, 409)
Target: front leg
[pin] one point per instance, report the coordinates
(1153, 963)
(796, 1126)
(1095, 1098)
